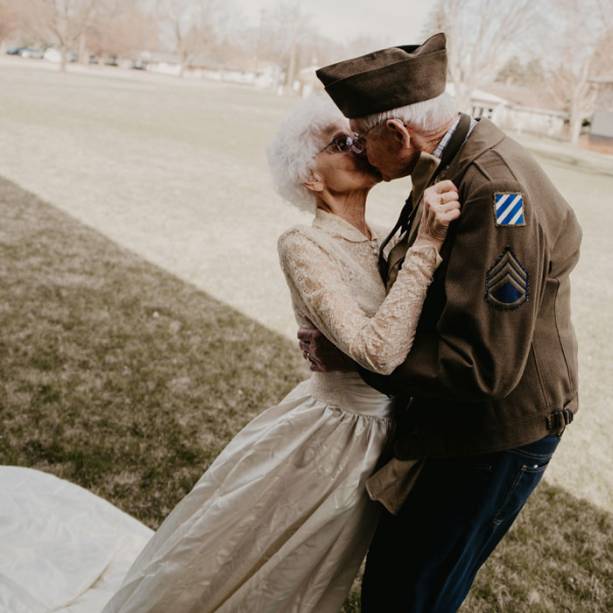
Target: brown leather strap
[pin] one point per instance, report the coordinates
(408, 210)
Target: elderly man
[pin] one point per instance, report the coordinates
(491, 381)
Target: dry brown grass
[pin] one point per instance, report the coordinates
(118, 376)
(113, 374)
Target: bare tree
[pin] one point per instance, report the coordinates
(9, 19)
(481, 36)
(61, 22)
(191, 26)
(285, 38)
(529, 74)
(604, 13)
(122, 28)
(582, 55)
(571, 84)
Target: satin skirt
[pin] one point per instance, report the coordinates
(281, 520)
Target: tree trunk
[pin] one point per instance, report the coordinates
(291, 68)
(576, 120)
(183, 59)
(83, 56)
(575, 129)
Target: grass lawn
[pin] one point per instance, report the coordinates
(119, 377)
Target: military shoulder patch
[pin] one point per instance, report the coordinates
(509, 209)
(506, 282)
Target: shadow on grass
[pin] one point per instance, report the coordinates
(118, 376)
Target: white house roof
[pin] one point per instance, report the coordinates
(479, 94)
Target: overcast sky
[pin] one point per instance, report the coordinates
(393, 21)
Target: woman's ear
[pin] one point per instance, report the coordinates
(314, 183)
(399, 132)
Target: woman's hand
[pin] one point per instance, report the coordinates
(440, 207)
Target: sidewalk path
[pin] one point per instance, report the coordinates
(564, 153)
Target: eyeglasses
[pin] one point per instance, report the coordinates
(342, 143)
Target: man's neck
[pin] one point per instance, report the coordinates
(431, 140)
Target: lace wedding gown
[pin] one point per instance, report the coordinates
(281, 521)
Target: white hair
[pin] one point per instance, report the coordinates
(292, 152)
(423, 116)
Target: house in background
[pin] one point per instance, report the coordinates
(530, 112)
(532, 120)
(600, 137)
(483, 104)
(490, 106)
(308, 81)
(162, 62)
(518, 109)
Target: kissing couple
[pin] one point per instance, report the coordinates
(443, 358)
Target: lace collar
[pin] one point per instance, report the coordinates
(337, 226)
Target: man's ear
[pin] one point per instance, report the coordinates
(314, 183)
(399, 132)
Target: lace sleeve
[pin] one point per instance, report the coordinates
(379, 343)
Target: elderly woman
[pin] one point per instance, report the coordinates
(280, 521)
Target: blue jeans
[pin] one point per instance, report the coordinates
(425, 559)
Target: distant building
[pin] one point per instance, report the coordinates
(519, 109)
(307, 81)
(548, 122)
(488, 105)
(266, 76)
(163, 62)
(600, 136)
(262, 78)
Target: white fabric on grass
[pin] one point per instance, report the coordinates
(62, 548)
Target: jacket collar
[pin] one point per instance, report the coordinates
(485, 136)
(337, 226)
(422, 173)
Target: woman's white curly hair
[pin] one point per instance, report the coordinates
(292, 152)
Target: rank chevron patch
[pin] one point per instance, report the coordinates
(506, 283)
(509, 209)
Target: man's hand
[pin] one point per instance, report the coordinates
(321, 353)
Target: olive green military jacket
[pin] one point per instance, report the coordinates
(494, 362)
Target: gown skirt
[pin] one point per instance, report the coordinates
(281, 520)
(62, 548)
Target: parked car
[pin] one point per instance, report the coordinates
(29, 52)
(14, 50)
(53, 55)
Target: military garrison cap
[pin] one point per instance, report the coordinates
(387, 79)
